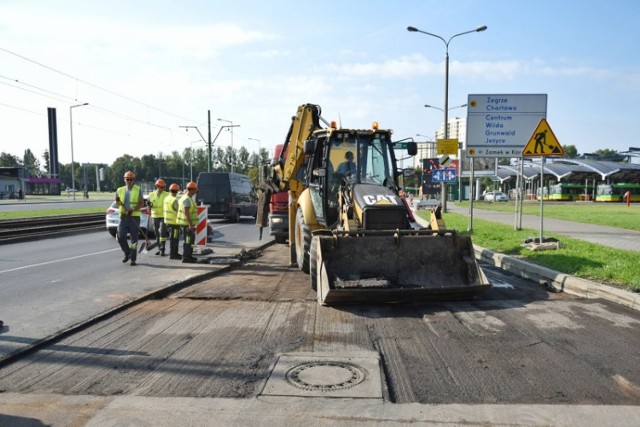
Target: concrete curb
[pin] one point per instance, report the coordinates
(554, 280)
(558, 282)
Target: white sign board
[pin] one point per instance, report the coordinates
(501, 125)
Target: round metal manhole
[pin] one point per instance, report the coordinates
(326, 376)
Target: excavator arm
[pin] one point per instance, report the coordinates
(285, 175)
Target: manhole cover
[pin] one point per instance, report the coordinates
(326, 376)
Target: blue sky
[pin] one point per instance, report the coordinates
(148, 67)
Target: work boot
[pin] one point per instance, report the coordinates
(133, 262)
(158, 252)
(176, 256)
(126, 256)
(189, 260)
(162, 252)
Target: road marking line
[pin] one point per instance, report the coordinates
(57, 260)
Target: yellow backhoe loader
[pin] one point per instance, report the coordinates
(351, 230)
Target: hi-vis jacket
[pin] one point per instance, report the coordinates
(171, 207)
(157, 203)
(193, 211)
(135, 195)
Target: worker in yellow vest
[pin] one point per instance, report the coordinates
(156, 203)
(171, 207)
(187, 219)
(130, 201)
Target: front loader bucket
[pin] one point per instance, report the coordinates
(396, 266)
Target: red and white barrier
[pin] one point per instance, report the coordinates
(201, 227)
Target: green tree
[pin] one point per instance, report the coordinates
(30, 163)
(119, 167)
(9, 160)
(45, 157)
(570, 151)
(243, 160)
(219, 163)
(610, 155)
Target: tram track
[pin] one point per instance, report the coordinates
(18, 230)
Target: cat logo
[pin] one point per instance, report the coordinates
(380, 199)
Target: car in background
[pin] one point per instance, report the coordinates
(426, 204)
(113, 219)
(496, 196)
(228, 195)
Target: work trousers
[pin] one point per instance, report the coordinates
(160, 229)
(189, 239)
(174, 238)
(129, 225)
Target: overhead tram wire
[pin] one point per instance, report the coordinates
(65, 98)
(96, 86)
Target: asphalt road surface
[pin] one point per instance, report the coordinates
(50, 285)
(228, 337)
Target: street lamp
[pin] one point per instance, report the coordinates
(430, 143)
(73, 178)
(446, 87)
(203, 140)
(231, 127)
(442, 109)
(258, 141)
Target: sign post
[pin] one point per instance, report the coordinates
(542, 143)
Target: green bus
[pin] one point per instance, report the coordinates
(570, 191)
(616, 192)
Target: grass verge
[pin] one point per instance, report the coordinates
(575, 257)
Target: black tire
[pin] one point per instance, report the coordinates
(313, 263)
(113, 231)
(236, 216)
(303, 242)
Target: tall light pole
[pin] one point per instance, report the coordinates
(431, 146)
(446, 87)
(203, 140)
(258, 141)
(442, 109)
(230, 127)
(73, 178)
(191, 162)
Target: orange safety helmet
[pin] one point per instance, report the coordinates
(129, 174)
(174, 187)
(160, 183)
(192, 186)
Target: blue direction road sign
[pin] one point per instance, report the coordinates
(444, 175)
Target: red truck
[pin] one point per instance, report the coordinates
(279, 209)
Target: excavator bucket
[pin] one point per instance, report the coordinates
(395, 266)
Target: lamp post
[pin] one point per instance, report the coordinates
(231, 128)
(446, 86)
(431, 146)
(73, 178)
(220, 130)
(258, 141)
(203, 140)
(442, 109)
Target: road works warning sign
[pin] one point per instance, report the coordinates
(543, 142)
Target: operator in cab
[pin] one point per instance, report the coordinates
(348, 167)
